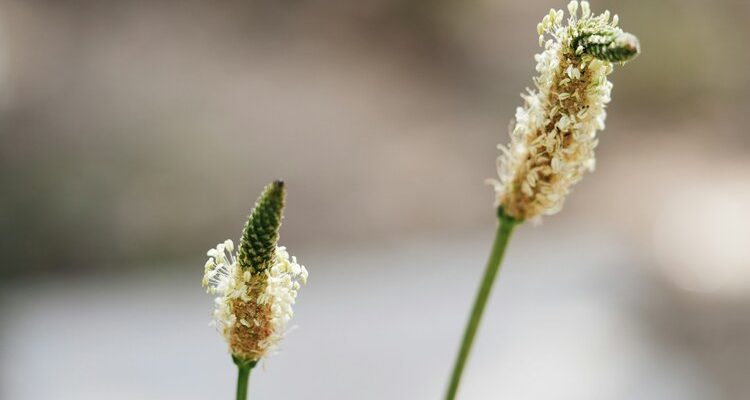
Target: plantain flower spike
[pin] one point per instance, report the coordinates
(554, 134)
(257, 285)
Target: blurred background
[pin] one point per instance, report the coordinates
(136, 135)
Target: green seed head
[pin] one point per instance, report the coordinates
(261, 231)
(609, 45)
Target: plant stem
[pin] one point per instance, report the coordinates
(242, 381)
(244, 367)
(504, 229)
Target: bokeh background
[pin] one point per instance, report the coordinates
(136, 135)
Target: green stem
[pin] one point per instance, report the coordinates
(504, 230)
(243, 377)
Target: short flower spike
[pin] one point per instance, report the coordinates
(257, 286)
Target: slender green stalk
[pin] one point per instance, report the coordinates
(243, 377)
(504, 229)
(242, 381)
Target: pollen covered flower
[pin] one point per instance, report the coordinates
(256, 286)
(554, 134)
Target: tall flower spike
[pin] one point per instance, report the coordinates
(554, 135)
(257, 286)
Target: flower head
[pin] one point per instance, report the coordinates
(256, 286)
(554, 135)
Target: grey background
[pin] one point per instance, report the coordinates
(136, 135)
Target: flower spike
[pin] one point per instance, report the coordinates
(258, 285)
(554, 134)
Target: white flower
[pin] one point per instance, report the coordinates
(554, 136)
(252, 310)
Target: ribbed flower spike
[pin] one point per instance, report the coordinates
(258, 286)
(554, 135)
(261, 230)
(599, 37)
(611, 46)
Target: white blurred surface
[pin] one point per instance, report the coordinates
(373, 323)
